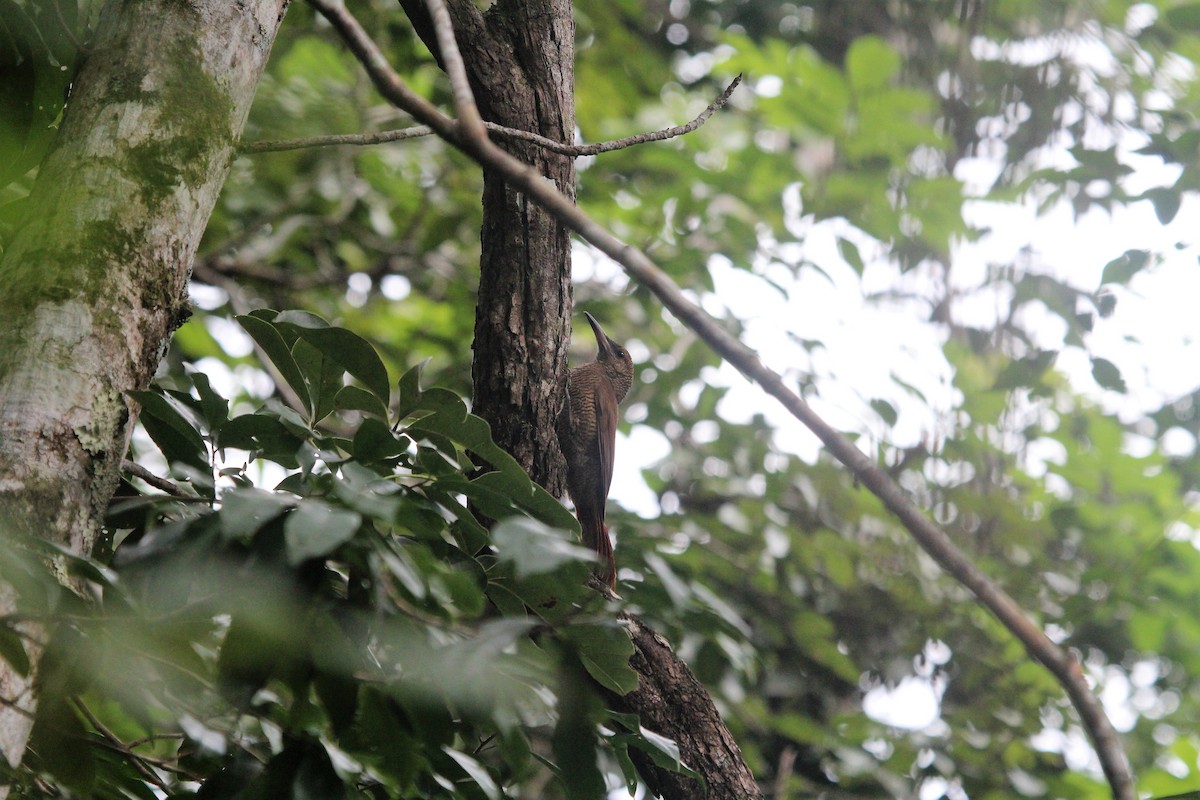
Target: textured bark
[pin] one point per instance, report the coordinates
(95, 281)
(670, 701)
(520, 59)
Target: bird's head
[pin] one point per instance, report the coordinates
(614, 358)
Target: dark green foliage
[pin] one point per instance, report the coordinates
(354, 631)
(326, 602)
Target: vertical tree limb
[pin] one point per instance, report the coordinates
(519, 60)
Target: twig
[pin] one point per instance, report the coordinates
(783, 772)
(115, 742)
(155, 737)
(331, 140)
(575, 150)
(1064, 666)
(138, 471)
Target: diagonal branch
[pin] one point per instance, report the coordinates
(464, 100)
(1062, 664)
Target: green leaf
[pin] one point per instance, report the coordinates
(245, 511)
(214, 407)
(264, 435)
(277, 352)
(374, 441)
(535, 548)
(56, 739)
(628, 769)
(346, 349)
(322, 377)
(353, 398)
(1184, 18)
(1107, 375)
(410, 390)
(476, 771)
(871, 63)
(316, 778)
(885, 410)
(662, 750)
(574, 743)
(382, 723)
(1124, 267)
(540, 503)
(1027, 371)
(315, 529)
(605, 649)
(849, 251)
(1166, 203)
(174, 434)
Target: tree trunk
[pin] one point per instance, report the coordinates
(95, 281)
(520, 57)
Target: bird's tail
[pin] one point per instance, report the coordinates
(595, 536)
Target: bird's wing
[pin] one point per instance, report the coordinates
(606, 439)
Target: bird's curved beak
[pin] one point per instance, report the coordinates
(605, 343)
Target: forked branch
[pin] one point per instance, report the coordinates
(574, 150)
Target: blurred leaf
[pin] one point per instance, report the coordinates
(1184, 18)
(1107, 375)
(1027, 371)
(55, 740)
(574, 740)
(534, 548)
(605, 649)
(476, 772)
(663, 751)
(885, 410)
(871, 63)
(315, 529)
(316, 778)
(1122, 268)
(244, 511)
(849, 252)
(1166, 203)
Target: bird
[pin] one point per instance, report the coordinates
(587, 436)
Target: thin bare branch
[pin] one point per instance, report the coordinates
(332, 140)
(574, 150)
(1063, 665)
(138, 471)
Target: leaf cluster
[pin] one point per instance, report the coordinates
(360, 629)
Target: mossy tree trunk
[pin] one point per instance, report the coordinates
(95, 281)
